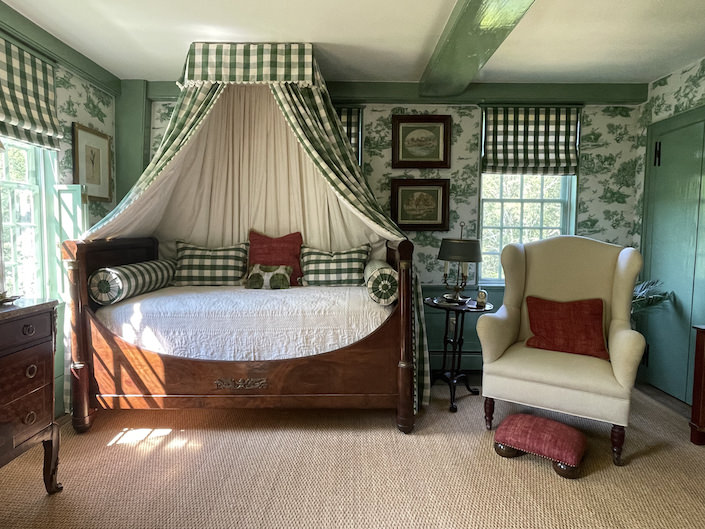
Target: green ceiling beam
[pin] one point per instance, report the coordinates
(475, 29)
(492, 93)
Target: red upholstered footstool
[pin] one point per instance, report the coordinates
(563, 444)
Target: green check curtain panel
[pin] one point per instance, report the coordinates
(350, 119)
(27, 98)
(531, 140)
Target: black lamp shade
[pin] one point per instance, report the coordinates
(460, 250)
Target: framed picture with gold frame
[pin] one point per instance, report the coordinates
(420, 204)
(420, 141)
(92, 162)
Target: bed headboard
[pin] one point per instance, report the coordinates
(87, 256)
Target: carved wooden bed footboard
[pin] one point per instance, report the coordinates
(107, 372)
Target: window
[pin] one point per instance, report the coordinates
(519, 209)
(23, 168)
(528, 184)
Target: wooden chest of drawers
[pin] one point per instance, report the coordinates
(27, 340)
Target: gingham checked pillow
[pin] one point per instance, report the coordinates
(110, 285)
(382, 282)
(198, 266)
(344, 268)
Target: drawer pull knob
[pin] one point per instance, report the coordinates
(28, 329)
(31, 371)
(30, 418)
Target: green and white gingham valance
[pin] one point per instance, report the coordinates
(27, 100)
(531, 140)
(232, 62)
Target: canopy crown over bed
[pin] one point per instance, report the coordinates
(231, 92)
(253, 143)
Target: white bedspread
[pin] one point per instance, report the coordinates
(235, 323)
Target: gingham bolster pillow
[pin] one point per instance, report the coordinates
(116, 283)
(382, 282)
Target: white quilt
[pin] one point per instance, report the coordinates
(235, 323)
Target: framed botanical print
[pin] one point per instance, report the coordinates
(420, 204)
(91, 162)
(420, 141)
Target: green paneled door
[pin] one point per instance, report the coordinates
(673, 196)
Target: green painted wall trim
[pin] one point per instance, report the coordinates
(26, 33)
(132, 117)
(492, 93)
(162, 90)
(474, 31)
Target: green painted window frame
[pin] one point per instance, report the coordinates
(41, 170)
(491, 272)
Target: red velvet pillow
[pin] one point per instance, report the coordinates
(277, 251)
(571, 326)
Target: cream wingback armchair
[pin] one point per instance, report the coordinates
(564, 269)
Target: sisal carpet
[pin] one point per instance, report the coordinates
(352, 469)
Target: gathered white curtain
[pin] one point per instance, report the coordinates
(245, 169)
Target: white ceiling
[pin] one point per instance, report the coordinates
(563, 41)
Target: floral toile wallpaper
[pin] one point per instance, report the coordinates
(161, 112)
(609, 188)
(675, 93)
(81, 101)
(611, 172)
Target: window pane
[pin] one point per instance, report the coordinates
(490, 267)
(512, 214)
(18, 164)
(531, 235)
(492, 213)
(551, 233)
(552, 214)
(5, 205)
(511, 236)
(511, 186)
(532, 214)
(491, 241)
(490, 185)
(532, 187)
(24, 206)
(552, 186)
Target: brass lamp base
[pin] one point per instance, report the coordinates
(455, 297)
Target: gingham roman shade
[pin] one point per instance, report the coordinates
(350, 119)
(531, 140)
(345, 268)
(27, 99)
(111, 285)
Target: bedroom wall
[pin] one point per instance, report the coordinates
(609, 185)
(79, 100)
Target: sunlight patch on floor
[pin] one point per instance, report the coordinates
(150, 438)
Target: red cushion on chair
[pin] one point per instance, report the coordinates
(571, 327)
(277, 251)
(542, 437)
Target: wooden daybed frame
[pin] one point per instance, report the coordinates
(109, 373)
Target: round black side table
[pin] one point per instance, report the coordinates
(453, 338)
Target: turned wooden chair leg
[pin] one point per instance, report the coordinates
(617, 438)
(489, 412)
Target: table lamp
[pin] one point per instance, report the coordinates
(460, 251)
